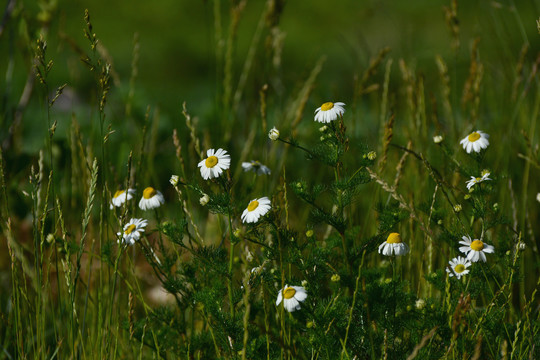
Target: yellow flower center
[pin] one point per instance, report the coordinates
(211, 161)
(130, 229)
(478, 179)
(118, 193)
(477, 245)
(327, 106)
(289, 292)
(394, 238)
(459, 268)
(474, 136)
(149, 192)
(253, 205)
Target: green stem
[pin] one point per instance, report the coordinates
(297, 146)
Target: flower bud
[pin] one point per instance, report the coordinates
(204, 199)
(174, 180)
(273, 134)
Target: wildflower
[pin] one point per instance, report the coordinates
(329, 111)
(309, 233)
(457, 208)
(476, 180)
(458, 267)
(151, 199)
(437, 139)
(538, 197)
(292, 296)
(256, 209)
(204, 199)
(420, 304)
(121, 196)
(372, 155)
(273, 134)
(475, 250)
(393, 246)
(335, 278)
(477, 140)
(215, 163)
(132, 231)
(304, 283)
(256, 167)
(174, 180)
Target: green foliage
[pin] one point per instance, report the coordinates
(198, 281)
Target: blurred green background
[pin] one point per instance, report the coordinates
(178, 45)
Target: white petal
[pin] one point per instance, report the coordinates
(482, 256)
(291, 304)
(279, 298)
(300, 294)
(465, 249)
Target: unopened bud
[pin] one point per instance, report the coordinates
(204, 199)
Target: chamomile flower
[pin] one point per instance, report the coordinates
(133, 230)
(477, 140)
(475, 250)
(256, 167)
(121, 196)
(256, 209)
(475, 180)
(215, 163)
(291, 296)
(151, 199)
(329, 111)
(458, 267)
(393, 246)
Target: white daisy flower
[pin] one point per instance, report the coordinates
(477, 140)
(475, 250)
(393, 246)
(476, 180)
(256, 167)
(458, 267)
(329, 111)
(151, 199)
(133, 230)
(121, 196)
(256, 209)
(215, 163)
(273, 134)
(291, 296)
